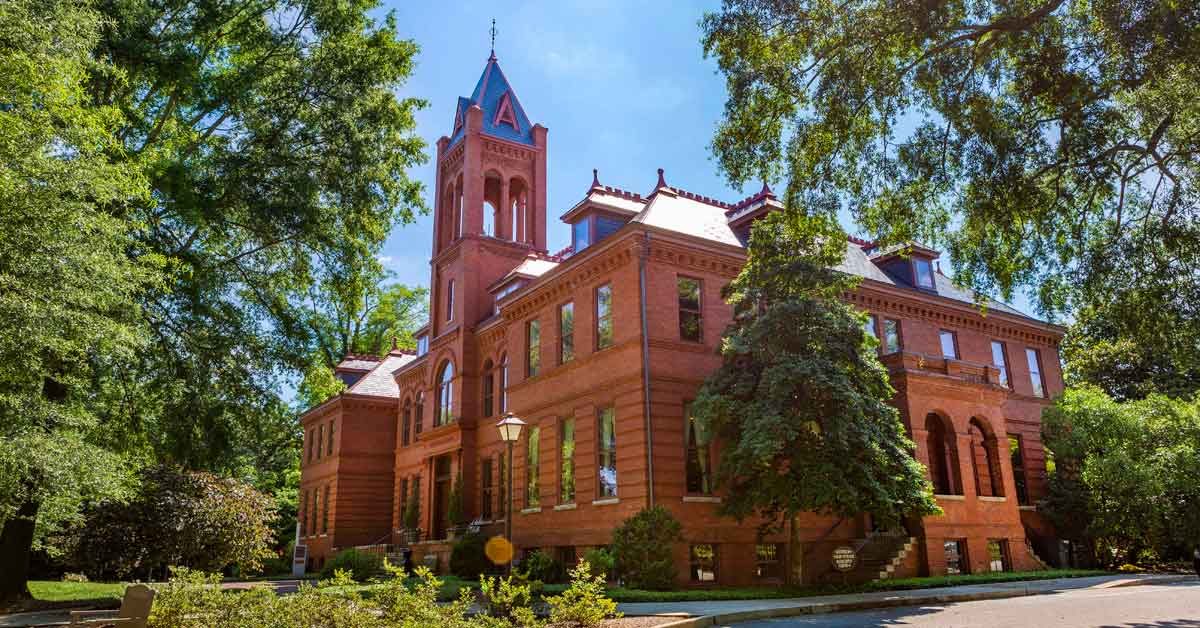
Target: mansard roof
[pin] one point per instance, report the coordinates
(379, 381)
(502, 110)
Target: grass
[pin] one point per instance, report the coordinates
(55, 591)
(451, 585)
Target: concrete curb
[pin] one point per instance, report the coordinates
(818, 608)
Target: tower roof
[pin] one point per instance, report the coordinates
(503, 116)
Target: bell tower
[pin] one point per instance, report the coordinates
(490, 202)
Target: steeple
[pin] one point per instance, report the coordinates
(503, 116)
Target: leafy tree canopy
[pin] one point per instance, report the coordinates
(1125, 477)
(1047, 144)
(801, 403)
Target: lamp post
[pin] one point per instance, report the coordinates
(510, 430)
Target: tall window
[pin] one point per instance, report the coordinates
(504, 383)
(450, 300)
(533, 347)
(949, 344)
(566, 461)
(445, 395)
(604, 328)
(406, 423)
(489, 388)
(325, 511)
(1035, 372)
(891, 336)
(486, 489)
(303, 512)
(316, 505)
(533, 494)
(329, 449)
(606, 449)
(699, 462)
(690, 322)
(768, 560)
(999, 361)
(869, 326)
(320, 439)
(955, 552)
(311, 444)
(924, 273)
(566, 332)
(579, 235)
(419, 415)
(702, 560)
(1018, 467)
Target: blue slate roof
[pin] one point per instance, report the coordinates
(488, 94)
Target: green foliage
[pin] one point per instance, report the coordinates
(1125, 474)
(455, 512)
(1048, 145)
(509, 599)
(584, 603)
(643, 549)
(191, 519)
(412, 509)
(468, 558)
(357, 565)
(601, 562)
(542, 567)
(417, 606)
(801, 402)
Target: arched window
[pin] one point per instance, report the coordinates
(943, 456)
(406, 423)
(419, 414)
(450, 300)
(489, 389)
(985, 459)
(489, 219)
(504, 384)
(445, 395)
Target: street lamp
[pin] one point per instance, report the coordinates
(510, 430)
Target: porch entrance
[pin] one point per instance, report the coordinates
(441, 496)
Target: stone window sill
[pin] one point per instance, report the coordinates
(530, 511)
(570, 506)
(986, 498)
(952, 498)
(1029, 508)
(606, 502)
(702, 499)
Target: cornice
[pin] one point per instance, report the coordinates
(686, 256)
(563, 281)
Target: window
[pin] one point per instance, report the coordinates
(503, 384)
(891, 336)
(1035, 372)
(325, 512)
(949, 344)
(403, 498)
(579, 235)
(924, 273)
(450, 300)
(419, 420)
(606, 448)
(320, 439)
(1018, 468)
(489, 388)
(604, 329)
(329, 449)
(445, 396)
(406, 423)
(699, 462)
(606, 227)
(703, 562)
(999, 362)
(533, 347)
(316, 498)
(998, 555)
(486, 489)
(566, 461)
(956, 557)
(566, 332)
(422, 345)
(303, 512)
(690, 321)
(533, 496)
(768, 560)
(869, 326)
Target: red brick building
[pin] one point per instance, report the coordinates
(599, 348)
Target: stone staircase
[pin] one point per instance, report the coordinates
(880, 554)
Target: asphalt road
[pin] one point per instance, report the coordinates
(1150, 606)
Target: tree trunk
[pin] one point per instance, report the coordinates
(16, 543)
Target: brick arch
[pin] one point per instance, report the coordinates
(942, 445)
(985, 458)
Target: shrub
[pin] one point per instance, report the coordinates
(509, 599)
(539, 565)
(583, 603)
(642, 549)
(74, 577)
(601, 562)
(361, 566)
(455, 511)
(468, 559)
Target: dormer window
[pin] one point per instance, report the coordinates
(924, 270)
(580, 235)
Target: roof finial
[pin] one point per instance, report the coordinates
(766, 191)
(662, 182)
(395, 345)
(493, 57)
(595, 177)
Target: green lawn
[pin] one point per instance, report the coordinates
(54, 591)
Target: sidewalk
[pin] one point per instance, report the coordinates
(725, 612)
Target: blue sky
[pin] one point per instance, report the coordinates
(622, 86)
